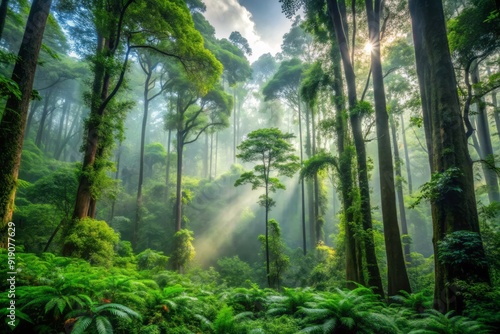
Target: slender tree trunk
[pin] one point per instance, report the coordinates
(32, 110)
(178, 193)
(3, 15)
(310, 185)
(396, 269)
(13, 122)
(234, 125)
(62, 122)
(117, 175)
(407, 156)
(399, 189)
(317, 196)
(147, 87)
(211, 155)
(496, 111)
(448, 147)
(374, 279)
(167, 176)
(45, 113)
(302, 194)
(216, 153)
(486, 148)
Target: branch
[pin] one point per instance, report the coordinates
(118, 84)
(201, 131)
(467, 122)
(120, 25)
(367, 84)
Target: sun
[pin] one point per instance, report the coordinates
(368, 47)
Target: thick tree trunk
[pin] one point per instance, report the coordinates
(443, 121)
(396, 269)
(99, 92)
(345, 173)
(407, 156)
(13, 121)
(374, 279)
(486, 149)
(399, 189)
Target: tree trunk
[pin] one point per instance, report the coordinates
(496, 111)
(345, 175)
(396, 269)
(374, 279)
(302, 194)
(399, 190)
(45, 113)
(62, 122)
(486, 149)
(3, 15)
(407, 156)
(178, 192)
(13, 121)
(117, 175)
(135, 235)
(448, 149)
(99, 92)
(310, 186)
(167, 176)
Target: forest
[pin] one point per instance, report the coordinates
(156, 177)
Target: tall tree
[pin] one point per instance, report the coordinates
(285, 85)
(453, 205)
(14, 117)
(128, 26)
(396, 269)
(269, 147)
(153, 87)
(193, 115)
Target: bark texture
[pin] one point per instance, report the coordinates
(452, 210)
(13, 123)
(397, 276)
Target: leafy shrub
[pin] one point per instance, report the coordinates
(150, 259)
(234, 271)
(93, 241)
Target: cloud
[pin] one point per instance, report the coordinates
(229, 15)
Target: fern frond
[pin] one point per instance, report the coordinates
(81, 325)
(103, 325)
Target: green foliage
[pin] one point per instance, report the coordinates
(151, 260)
(440, 185)
(270, 147)
(462, 249)
(438, 323)
(317, 163)
(92, 240)
(235, 272)
(54, 294)
(98, 317)
(183, 248)
(363, 108)
(278, 260)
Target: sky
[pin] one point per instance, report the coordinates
(259, 21)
